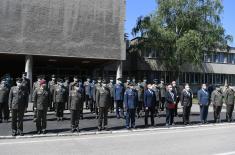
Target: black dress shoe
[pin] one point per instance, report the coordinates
(14, 134)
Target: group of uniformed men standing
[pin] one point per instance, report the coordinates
(102, 97)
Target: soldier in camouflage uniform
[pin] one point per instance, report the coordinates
(229, 101)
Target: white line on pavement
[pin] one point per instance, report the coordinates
(226, 153)
(115, 136)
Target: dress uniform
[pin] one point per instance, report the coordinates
(186, 101)
(4, 94)
(96, 88)
(149, 104)
(75, 105)
(158, 96)
(217, 102)
(203, 100)
(103, 99)
(66, 86)
(140, 91)
(36, 85)
(60, 97)
(41, 100)
(51, 87)
(87, 91)
(25, 86)
(162, 88)
(17, 106)
(170, 103)
(91, 98)
(177, 93)
(118, 98)
(229, 101)
(130, 102)
(111, 87)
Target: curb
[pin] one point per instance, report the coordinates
(118, 131)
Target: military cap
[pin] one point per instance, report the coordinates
(53, 76)
(155, 80)
(19, 79)
(104, 81)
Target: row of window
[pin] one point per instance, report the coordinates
(220, 57)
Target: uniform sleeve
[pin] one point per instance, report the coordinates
(126, 100)
(34, 98)
(10, 98)
(97, 98)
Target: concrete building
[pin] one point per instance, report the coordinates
(62, 37)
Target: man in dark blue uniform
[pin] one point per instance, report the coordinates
(118, 98)
(203, 101)
(130, 101)
(149, 104)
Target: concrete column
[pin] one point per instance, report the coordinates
(119, 70)
(29, 70)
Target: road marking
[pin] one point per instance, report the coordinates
(226, 153)
(114, 136)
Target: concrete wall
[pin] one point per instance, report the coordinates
(68, 28)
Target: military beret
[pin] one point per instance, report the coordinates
(42, 82)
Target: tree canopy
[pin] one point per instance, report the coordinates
(182, 30)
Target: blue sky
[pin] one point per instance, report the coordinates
(136, 8)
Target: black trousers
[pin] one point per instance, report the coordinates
(139, 107)
(87, 100)
(51, 104)
(170, 113)
(162, 106)
(103, 117)
(17, 120)
(203, 113)
(186, 114)
(130, 118)
(41, 122)
(229, 113)
(119, 108)
(60, 109)
(4, 109)
(111, 108)
(149, 113)
(217, 111)
(176, 106)
(75, 116)
(91, 104)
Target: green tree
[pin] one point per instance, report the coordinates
(182, 31)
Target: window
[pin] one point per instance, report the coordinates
(207, 57)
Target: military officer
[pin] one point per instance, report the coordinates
(66, 85)
(229, 101)
(186, 101)
(60, 97)
(36, 85)
(149, 104)
(17, 107)
(118, 98)
(41, 100)
(75, 81)
(177, 93)
(91, 99)
(203, 101)
(140, 90)
(87, 85)
(158, 95)
(75, 105)
(162, 88)
(4, 94)
(51, 86)
(103, 98)
(25, 88)
(97, 86)
(130, 102)
(111, 87)
(217, 102)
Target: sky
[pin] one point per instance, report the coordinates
(136, 8)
